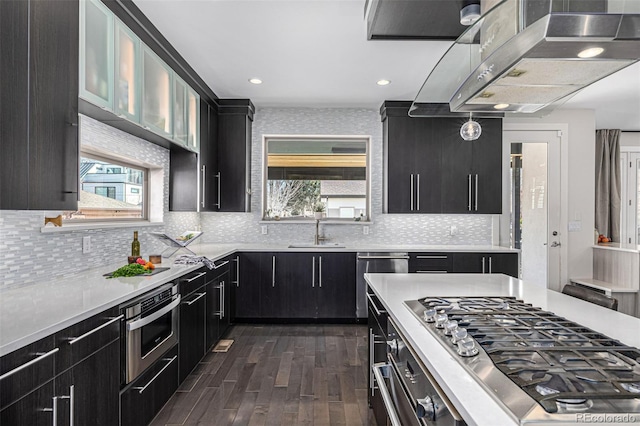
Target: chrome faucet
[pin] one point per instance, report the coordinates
(318, 238)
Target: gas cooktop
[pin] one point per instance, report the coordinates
(517, 350)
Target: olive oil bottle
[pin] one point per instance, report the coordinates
(135, 245)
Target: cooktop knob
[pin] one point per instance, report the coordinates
(430, 315)
(467, 347)
(458, 334)
(426, 409)
(441, 319)
(450, 326)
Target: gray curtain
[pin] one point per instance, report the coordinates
(608, 183)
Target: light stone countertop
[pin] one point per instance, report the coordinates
(476, 406)
(35, 311)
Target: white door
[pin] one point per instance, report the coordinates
(531, 212)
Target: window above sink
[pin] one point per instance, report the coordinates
(316, 177)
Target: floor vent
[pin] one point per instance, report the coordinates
(223, 345)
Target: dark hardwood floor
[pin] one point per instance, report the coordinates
(278, 375)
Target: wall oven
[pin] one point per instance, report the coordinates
(151, 329)
(409, 392)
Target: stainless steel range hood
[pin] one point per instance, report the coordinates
(528, 56)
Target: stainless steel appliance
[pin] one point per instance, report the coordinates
(376, 262)
(410, 393)
(151, 328)
(540, 367)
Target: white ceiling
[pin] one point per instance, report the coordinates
(315, 53)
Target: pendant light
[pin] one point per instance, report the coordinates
(470, 130)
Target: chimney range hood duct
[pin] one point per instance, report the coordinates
(528, 56)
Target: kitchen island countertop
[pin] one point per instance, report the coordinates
(31, 312)
(472, 401)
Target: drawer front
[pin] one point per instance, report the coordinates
(25, 369)
(192, 281)
(145, 396)
(83, 339)
(430, 262)
(35, 409)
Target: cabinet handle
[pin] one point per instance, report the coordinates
(418, 192)
(39, 358)
(53, 411)
(469, 192)
(204, 180)
(476, 206)
(89, 333)
(375, 308)
(371, 361)
(320, 271)
(490, 268)
(237, 260)
(221, 313)
(411, 191)
(71, 398)
(273, 272)
(384, 393)
(219, 177)
(143, 388)
(483, 264)
(154, 316)
(191, 302)
(79, 138)
(220, 265)
(432, 257)
(188, 280)
(313, 272)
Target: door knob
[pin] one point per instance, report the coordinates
(555, 244)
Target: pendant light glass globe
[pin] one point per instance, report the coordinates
(470, 130)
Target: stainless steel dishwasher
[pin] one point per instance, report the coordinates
(376, 262)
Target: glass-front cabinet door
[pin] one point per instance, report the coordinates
(193, 123)
(96, 53)
(127, 87)
(179, 110)
(156, 94)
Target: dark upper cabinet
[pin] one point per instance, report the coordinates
(412, 162)
(472, 170)
(235, 117)
(208, 157)
(183, 181)
(429, 168)
(39, 112)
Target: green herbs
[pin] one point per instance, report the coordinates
(130, 270)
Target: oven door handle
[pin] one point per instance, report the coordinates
(384, 392)
(134, 325)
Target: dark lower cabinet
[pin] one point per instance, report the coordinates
(377, 340)
(145, 396)
(336, 291)
(91, 388)
(247, 290)
(193, 310)
(486, 263)
(292, 285)
(34, 409)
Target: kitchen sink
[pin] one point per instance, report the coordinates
(317, 246)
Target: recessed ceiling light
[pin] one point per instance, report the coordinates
(501, 106)
(255, 81)
(591, 52)
(383, 82)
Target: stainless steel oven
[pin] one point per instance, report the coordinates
(151, 329)
(410, 394)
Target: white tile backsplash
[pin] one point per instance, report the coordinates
(29, 256)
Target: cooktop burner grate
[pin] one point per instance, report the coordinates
(559, 363)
